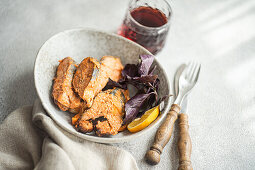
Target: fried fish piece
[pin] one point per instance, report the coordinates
(113, 67)
(106, 113)
(91, 76)
(62, 91)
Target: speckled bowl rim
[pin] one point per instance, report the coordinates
(96, 138)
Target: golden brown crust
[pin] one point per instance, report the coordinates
(105, 114)
(102, 128)
(113, 67)
(75, 118)
(60, 106)
(62, 91)
(83, 75)
(109, 105)
(88, 81)
(87, 126)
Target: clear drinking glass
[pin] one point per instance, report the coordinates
(147, 23)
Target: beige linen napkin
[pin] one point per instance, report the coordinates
(30, 139)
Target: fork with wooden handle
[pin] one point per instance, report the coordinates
(188, 79)
(163, 135)
(184, 143)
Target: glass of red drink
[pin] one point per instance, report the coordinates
(147, 23)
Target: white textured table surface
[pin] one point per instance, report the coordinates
(219, 34)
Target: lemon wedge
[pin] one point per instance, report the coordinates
(147, 118)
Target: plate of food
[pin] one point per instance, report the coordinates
(100, 86)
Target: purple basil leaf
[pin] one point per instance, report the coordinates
(130, 70)
(142, 78)
(145, 64)
(133, 106)
(110, 84)
(152, 70)
(151, 88)
(145, 79)
(156, 84)
(154, 88)
(152, 101)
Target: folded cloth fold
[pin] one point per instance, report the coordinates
(30, 139)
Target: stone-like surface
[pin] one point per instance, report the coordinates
(219, 34)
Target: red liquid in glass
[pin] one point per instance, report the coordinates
(153, 40)
(149, 17)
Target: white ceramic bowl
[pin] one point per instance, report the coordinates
(78, 44)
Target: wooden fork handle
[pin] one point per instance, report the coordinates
(184, 144)
(163, 135)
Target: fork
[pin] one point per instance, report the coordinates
(187, 81)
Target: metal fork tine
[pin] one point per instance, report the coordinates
(195, 71)
(192, 72)
(197, 75)
(187, 80)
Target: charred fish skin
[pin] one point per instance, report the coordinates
(62, 91)
(109, 105)
(86, 128)
(102, 128)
